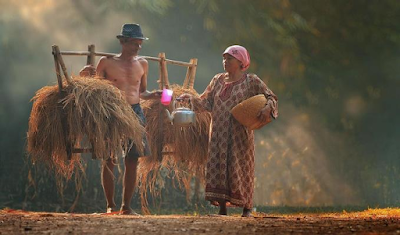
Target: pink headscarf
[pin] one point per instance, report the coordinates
(240, 53)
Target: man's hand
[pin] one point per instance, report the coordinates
(155, 94)
(88, 71)
(147, 95)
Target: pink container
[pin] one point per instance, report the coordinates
(166, 96)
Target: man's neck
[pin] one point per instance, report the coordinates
(127, 56)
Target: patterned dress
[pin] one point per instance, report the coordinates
(230, 163)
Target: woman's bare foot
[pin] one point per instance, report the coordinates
(247, 213)
(222, 208)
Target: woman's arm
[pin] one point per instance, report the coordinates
(205, 101)
(270, 110)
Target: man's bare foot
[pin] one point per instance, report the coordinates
(110, 210)
(128, 211)
(247, 213)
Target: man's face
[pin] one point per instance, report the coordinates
(132, 45)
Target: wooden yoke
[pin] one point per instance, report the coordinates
(58, 70)
(163, 81)
(91, 54)
(58, 61)
(161, 59)
(190, 74)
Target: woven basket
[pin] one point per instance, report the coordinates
(246, 112)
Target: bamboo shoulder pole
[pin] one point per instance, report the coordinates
(78, 53)
(61, 61)
(193, 73)
(185, 64)
(165, 72)
(91, 56)
(160, 67)
(85, 53)
(58, 72)
(163, 81)
(187, 77)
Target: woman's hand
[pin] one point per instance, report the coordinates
(264, 116)
(184, 96)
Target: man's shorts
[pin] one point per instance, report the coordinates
(133, 153)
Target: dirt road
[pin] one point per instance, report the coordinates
(17, 222)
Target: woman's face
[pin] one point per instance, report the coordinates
(230, 63)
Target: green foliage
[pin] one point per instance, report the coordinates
(337, 61)
(153, 6)
(265, 28)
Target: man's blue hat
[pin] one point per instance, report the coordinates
(131, 31)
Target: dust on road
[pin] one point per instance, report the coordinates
(17, 222)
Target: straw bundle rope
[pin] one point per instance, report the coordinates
(186, 148)
(96, 115)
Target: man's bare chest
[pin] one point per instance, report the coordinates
(124, 72)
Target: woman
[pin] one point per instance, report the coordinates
(230, 163)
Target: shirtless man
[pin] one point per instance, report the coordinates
(128, 72)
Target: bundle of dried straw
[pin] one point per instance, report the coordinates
(88, 113)
(185, 148)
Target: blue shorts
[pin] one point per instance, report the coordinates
(133, 152)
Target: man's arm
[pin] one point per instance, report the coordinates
(143, 81)
(144, 93)
(101, 67)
